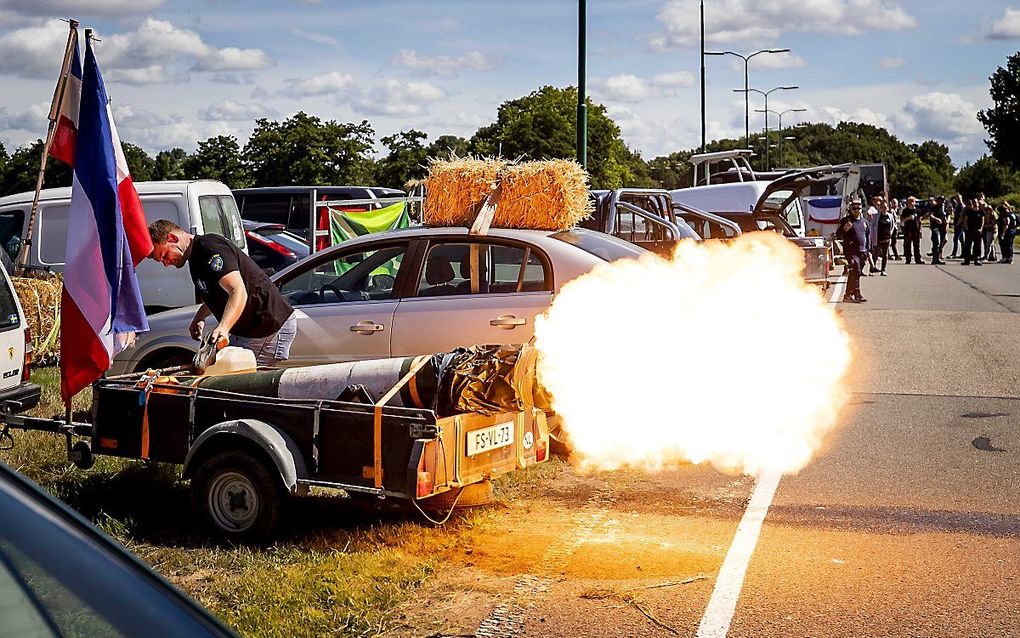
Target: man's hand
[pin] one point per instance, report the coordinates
(196, 328)
(847, 226)
(220, 337)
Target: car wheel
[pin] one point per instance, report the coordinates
(160, 361)
(238, 496)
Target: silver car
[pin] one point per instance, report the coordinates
(408, 292)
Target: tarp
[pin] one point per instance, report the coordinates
(344, 225)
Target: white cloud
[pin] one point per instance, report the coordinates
(891, 63)
(834, 115)
(314, 36)
(321, 84)
(394, 97)
(31, 119)
(445, 65)
(749, 22)
(627, 87)
(73, 7)
(940, 116)
(229, 110)
(155, 132)
(1006, 27)
(155, 52)
(774, 61)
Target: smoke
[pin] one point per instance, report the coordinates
(721, 355)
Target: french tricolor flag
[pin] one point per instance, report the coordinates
(107, 237)
(66, 131)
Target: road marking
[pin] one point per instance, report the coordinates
(837, 290)
(723, 603)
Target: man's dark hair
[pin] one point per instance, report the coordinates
(160, 229)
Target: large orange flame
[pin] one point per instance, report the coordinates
(722, 354)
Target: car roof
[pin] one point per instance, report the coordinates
(143, 188)
(324, 190)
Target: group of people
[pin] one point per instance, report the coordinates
(868, 237)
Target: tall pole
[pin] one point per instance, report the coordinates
(747, 111)
(582, 108)
(703, 140)
(767, 144)
(747, 90)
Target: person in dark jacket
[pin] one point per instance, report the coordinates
(937, 223)
(955, 212)
(1007, 232)
(974, 225)
(911, 217)
(886, 223)
(853, 232)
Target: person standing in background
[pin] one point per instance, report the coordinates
(872, 215)
(956, 214)
(989, 232)
(1007, 232)
(937, 224)
(885, 227)
(853, 232)
(974, 224)
(911, 218)
(894, 210)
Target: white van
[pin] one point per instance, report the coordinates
(16, 393)
(198, 206)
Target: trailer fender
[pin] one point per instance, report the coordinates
(276, 444)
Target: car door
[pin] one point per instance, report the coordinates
(473, 292)
(345, 302)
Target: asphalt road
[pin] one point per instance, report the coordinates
(908, 524)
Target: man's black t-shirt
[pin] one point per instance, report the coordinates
(973, 218)
(911, 224)
(211, 258)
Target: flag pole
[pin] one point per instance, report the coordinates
(58, 97)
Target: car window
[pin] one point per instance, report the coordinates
(366, 275)
(267, 208)
(11, 223)
(8, 307)
(497, 269)
(53, 234)
(601, 245)
(231, 220)
(212, 222)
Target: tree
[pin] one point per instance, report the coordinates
(914, 178)
(23, 171)
(447, 146)
(1002, 121)
(217, 158)
(936, 155)
(4, 158)
(304, 150)
(170, 164)
(405, 161)
(141, 166)
(987, 176)
(671, 171)
(542, 125)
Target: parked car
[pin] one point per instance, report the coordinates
(408, 292)
(272, 247)
(60, 576)
(292, 206)
(198, 206)
(17, 393)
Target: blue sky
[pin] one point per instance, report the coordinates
(179, 71)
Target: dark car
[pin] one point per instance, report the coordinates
(292, 205)
(60, 576)
(272, 247)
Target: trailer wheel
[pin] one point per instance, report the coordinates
(238, 495)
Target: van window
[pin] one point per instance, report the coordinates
(52, 227)
(8, 308)
(11, 223)
(220, 217)
(273, 209)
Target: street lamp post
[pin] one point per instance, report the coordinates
(779, 115)
(582, 107)
(765, 94)
(747, 60)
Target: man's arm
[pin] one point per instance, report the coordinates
(238, 297)
(198, 322)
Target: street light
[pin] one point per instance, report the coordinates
(747, 60)
(765, 94)
(780, 115)
(582, 107)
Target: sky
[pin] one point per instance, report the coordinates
(180, 71)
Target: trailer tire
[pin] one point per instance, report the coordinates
(239, 496)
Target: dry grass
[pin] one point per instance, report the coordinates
(40, 299)
(545, 195)
(342, 568)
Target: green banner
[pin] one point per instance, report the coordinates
(344, 225)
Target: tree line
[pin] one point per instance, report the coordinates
(307, 150)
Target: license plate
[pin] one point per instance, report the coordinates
(490, 438)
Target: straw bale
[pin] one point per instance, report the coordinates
(543, 195)
(40, 300)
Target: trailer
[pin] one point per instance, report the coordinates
(246, 454)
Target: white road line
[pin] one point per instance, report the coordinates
(723, 603)
(837, 290)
